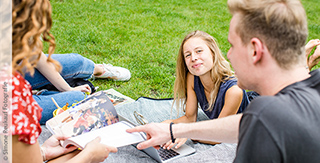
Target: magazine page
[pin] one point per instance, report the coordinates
(117, 98)
(114, 135)
(92, 113)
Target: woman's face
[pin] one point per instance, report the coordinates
(198, 57)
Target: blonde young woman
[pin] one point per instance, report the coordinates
(205, 77)
(30, 20)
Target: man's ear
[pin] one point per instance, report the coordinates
(256, 50)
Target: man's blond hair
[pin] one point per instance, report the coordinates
(280, 24)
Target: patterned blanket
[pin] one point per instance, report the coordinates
(157, 110)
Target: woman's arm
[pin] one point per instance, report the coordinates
(232, 101)
(26, 153)
(93, 152)
(191, 103)
(49, 71)
(190, 114)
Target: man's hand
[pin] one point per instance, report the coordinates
(157, 134)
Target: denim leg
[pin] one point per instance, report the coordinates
(73, 66)
(47, 105)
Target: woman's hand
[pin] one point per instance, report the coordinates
(179, 142)
(53, 149)
(315, 57)
(97, 151)
(82, 88)
(310, 45)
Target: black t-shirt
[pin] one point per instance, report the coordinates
(284, 127)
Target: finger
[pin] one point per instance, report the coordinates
(317, 51)
(112, 149)
(156, 147)
(180, 144)
(146, 144)
(88, 88)
(60, 137)
(311, 44)
(85, 89)
(70, 149)
(148, 136)
(136, 129)
(171, 145)
(165, 146)
(96, 140)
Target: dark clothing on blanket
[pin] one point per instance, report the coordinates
(283, 128)
(219, 103)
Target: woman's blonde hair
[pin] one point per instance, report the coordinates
(31, 21)
(221, 70)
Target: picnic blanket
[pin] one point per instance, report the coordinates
(158, 110)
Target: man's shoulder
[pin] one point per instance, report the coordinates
(264, 103)
(285, 108)
(265, 109)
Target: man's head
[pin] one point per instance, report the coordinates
(281, 25)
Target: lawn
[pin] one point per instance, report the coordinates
(143, 36)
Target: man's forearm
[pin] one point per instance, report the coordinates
(224, 130)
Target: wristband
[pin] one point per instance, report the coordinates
(172, 139)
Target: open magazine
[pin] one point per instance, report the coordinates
(92, 117)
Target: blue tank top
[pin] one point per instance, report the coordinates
(219, 103)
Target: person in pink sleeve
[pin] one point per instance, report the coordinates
(30, 20)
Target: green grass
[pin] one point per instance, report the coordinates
(143, 36)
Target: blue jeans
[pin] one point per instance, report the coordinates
(45, 102)
(73, 66)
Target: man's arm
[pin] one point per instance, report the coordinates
(219, 130)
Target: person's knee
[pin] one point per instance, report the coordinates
(76, 59)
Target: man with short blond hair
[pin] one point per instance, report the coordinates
(267, 40)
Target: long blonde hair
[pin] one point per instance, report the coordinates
(31, 20)
(221, 70)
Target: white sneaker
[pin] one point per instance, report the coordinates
(114, 72)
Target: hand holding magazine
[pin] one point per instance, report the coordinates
(92, 117)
